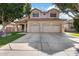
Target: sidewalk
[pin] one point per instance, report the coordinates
(21, 51)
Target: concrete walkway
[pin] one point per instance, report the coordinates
(41, 44)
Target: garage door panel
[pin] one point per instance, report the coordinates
(34, 28)
(51, 28)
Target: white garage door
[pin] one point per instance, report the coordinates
(35, 28)
(51, 28)
(44, 28)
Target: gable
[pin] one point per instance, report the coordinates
(55, 11)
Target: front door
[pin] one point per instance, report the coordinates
(22, 27)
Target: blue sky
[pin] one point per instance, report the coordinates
(42, 6)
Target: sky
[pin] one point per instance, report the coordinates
(42, 6)
(48, 6)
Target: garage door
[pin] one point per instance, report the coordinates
(51, 28)
(34, 28)
(44, 28)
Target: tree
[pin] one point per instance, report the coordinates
(73, 8)
(0, 22)
(76, 24)
(9, 12)
(69, 7)
(27, 9)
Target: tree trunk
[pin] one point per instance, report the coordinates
(3, 28)
(28, 16)
(3, 22)
(17, 27)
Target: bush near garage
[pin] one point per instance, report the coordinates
(76, 24)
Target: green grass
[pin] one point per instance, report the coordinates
(8, 39)
(73, 34)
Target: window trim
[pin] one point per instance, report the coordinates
(53, 15)
(35, 14)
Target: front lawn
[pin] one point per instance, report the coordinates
(73, 34)
(10, 38)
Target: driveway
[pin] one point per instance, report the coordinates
(41, 44)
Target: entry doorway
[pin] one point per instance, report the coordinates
(22, 28)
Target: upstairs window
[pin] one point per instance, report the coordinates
(35, 14)
(52, 15)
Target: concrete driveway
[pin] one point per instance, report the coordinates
(41, 44)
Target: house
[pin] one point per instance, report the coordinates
(68, 25)
(11, 27)
(41, 21)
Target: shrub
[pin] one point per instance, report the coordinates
(1, 33)
(76, 24)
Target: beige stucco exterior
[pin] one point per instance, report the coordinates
(43, 20)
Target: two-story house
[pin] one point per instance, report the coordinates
(41, 21)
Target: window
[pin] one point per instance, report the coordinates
(52, 15)
(44, 13)
(35, 14)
